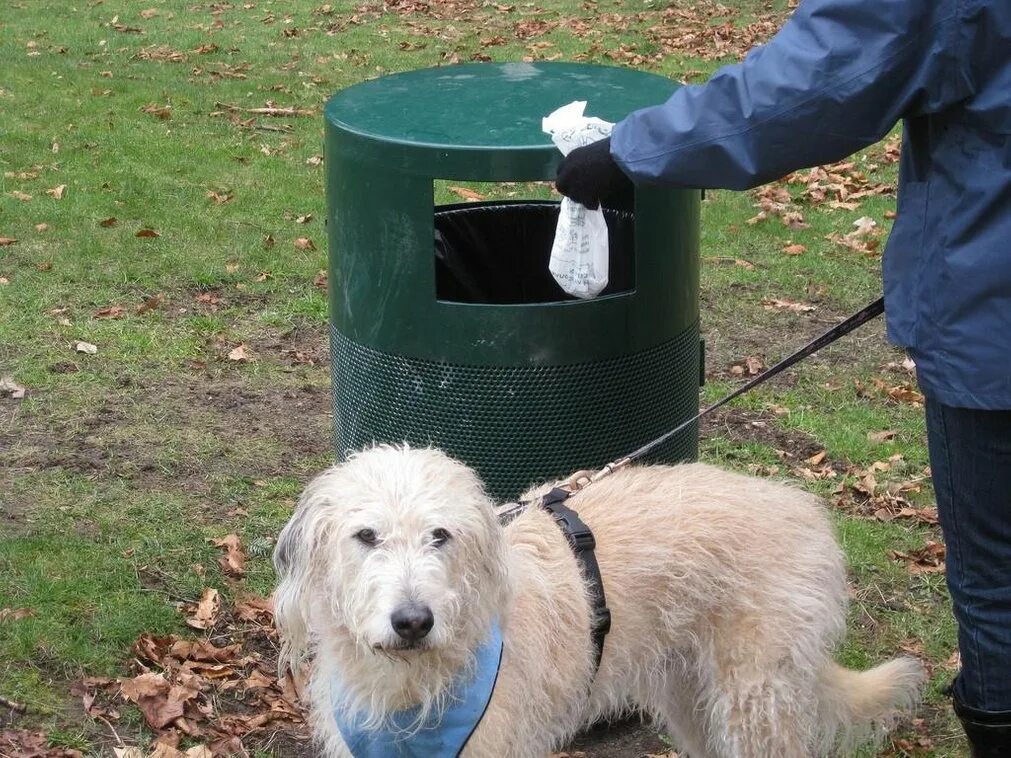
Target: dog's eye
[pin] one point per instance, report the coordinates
(440, 537)
(367, 536)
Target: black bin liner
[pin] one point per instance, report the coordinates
(498, 252)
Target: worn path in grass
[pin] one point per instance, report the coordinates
(161, 200)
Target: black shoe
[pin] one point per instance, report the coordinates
(989, 732)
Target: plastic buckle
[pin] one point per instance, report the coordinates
(580, 537)
(578, 534)
(582, 540)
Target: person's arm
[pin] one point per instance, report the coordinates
(836, 78)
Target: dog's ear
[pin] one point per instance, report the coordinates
(294, 566)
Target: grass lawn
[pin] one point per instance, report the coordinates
(146, 212)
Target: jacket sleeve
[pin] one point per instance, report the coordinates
(836, 78)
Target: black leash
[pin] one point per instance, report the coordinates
(579, 535)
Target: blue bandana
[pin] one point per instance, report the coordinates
(442, 738)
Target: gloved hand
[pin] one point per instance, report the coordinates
(589, 174)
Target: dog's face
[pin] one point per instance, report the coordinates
(397, 549)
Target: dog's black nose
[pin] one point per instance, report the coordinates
(412, 621)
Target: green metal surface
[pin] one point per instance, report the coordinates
(519, 425)
(383, 290)
(523, 392)
(479, 121)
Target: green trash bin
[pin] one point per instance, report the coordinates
(446, 327)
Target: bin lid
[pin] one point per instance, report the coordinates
(480, 121)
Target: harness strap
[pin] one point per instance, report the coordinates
(580, 539)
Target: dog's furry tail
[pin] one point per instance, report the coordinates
(857, 705)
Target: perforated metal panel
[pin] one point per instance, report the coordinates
(521, 425)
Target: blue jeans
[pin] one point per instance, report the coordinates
(970, 458)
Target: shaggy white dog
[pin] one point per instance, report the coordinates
(727, 595)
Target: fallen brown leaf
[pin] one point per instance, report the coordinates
(108, 222)
(164, 750)
(233, 562)
(25, 744)
(954, 661)
(159, 701)
(147, 233)
(150, 304)
(269, 110)
(57, 192)
(204, 651)
(794, 220)
(163, 112)
(205, 612)
(867, 484)
(239, 353)
(110, 312)
(160, 53)
(787, 305)
(466, 194)
(929, 559)
(883, 436)
(817, 458)
(922, 515)
(856, 240)
(750, 366)
(22, 196)
(34, 173)
(212, 299)
(255, 609)
(304, 243)
(906, 394)
(747, 265)
(15, 614)
(5, 241)
(794, 250)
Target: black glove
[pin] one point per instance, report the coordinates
(589, 175)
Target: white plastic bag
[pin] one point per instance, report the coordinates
(579, 253)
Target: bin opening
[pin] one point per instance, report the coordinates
(497, 252)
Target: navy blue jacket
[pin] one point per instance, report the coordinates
(836, 78)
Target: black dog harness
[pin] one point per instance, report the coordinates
(580, 539)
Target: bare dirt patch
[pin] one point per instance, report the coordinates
(181, 434)
(631, 738)
(302, 345)
(738, 425)
(771, 336)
